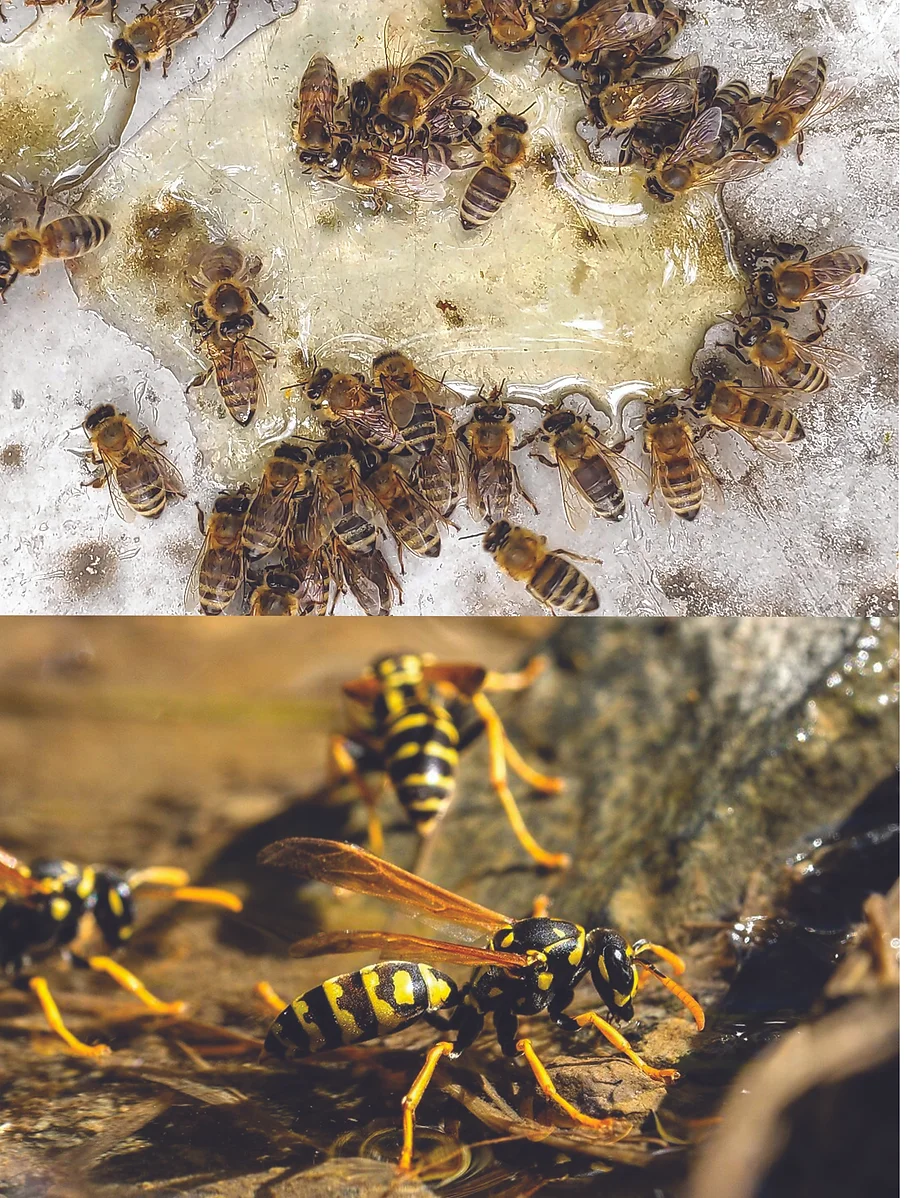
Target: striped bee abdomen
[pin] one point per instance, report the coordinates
(142, 485)
(355, 1007)
(73, 236)
(682, 486)
(558, 584)
(595, 480)
(420, 754)
(778, 423)
(487, 191)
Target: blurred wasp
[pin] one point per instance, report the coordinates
(549, 575)
(409, 517)
(415, 717)
(317, 135)
(26, 248)
(219, 568)
(349, 400)
(789, 278)
(58, 907)
(155, 33)
(699, 160)
(590, 472)
(791, 105)
(788, 361)
(758, 414)
(492, 481)
(140, 480)
(276, 594)
(438, 475)
(411, 398)
(270, 509)
(607, 27)
(680, 473)
(529, 966)
(505, 149)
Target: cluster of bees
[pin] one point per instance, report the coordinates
(413, 717)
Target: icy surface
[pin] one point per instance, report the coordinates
(816, 536)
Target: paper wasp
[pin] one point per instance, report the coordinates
(58, 906)
(529, 966)
(415, 716)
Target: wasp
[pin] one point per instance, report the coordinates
(700, 159)
(350, 401)
(219, 568)
(792, 104)
(549, 575)
(156, 32)
(590, 472)
(529, 967)
(790, 278)
(505, 149)
(788, 361)
(271, 507)
(758, 414)
(680, 473)
(25, 249)
(140, 479)
(492, 480)
(415, 717)
(57, 906)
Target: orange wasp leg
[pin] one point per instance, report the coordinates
(613, 1036)
(547, 1086)
(264, 991)
(415, 1093)
(39, 988)
(129, 981)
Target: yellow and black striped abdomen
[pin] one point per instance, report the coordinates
(73, 236)
(559, 585)
(682, 486)
(355, 1007)
(420, 755)
(142, 484)
(779, 424)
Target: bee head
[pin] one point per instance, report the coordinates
(236, 327)
(278, 580)
(512, 123)
(98, 416)
(497, 535)
(493, 413)
(389, 130)
(559, 421)
(319, 381)
(337, 448)
(755, 330)
(663, 414)
(6, 264)
(657, 191)
(766, 289)
(761, 146)
(560, 55)
(612, 970)
(703, 395)
(122, 57)
(234, 505)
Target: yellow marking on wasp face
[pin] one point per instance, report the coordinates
(545, 980)
(495, 991)
(315, 1038)
(115, 902)
(60, 908)
(444, 782)
(507, 940)
(438, 990)
(403, 988)
(603, 968)
(636, 982)
(386, 1014)
(348, 1025)
(432, 805)
(87, 883)
(622, 999)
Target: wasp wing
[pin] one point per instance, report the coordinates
(353, 868)
(15, 881)
(398, 946)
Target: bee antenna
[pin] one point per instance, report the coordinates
(472, 536)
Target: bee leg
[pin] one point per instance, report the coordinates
(519, 487)
(131, 982)
(348, 769)
(415, 1093)
(230, 15)
(256, 299)
(166, 61)
(820, 315)
(539, 457)
(264, 991)
(39, 988)
(500, 751)
(613, 1036)
(547, 1086)
(200, 380)
(200, 519)
(799, 147)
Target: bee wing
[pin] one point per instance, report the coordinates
(739, 165)
(633, 477)
(239, 391)
(353, 868)
(835, 278)
(178, 12)
(627, 27)
(799, 87)
(191, 590)
(576, 508)
(411, 176)
(699, 137)
(170, 473)
(495, 482)
(656, 494)
(785, 397)
(686, 68)
(657, 99)
(836, 363)
(712, 489)
(375, 421)
(400, 946)
(438, 392)
(121, 507)
(833, 96)
(401, 405)
(325, 510)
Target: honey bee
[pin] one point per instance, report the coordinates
(788, 361)
(606, 27)
(139, 478)
(364, 101)
(465, 16)
(411, 398)
(276, 595)
(491, 477)
(695, 162)
(408, 176)
(222, 275)
(312, 568)
(342, 506)
(757, 414)
(438, 475)
(348, 400)
(368, 577)
(680, 474)
(237, 376)
(548, 574)
(511, 25)
(270, 509)
(404, 106)
(409, 516)
(25, 249)
(219, 568)
(646, 53)
(796, 279)
(316, 134)
(589, 470)
(620, 107)
(553, 12)
(791, 105)
(156, 32)
(505, 149)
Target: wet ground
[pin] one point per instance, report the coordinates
(731, 789)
